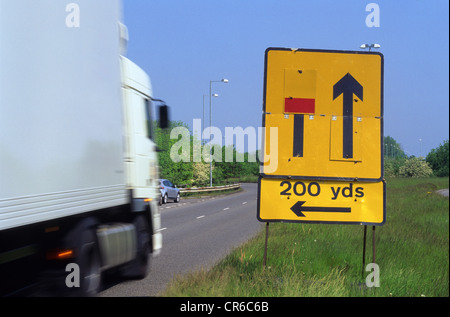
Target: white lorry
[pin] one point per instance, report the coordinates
(78, 167)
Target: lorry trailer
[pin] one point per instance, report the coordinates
(78, 164)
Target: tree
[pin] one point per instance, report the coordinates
(180, 173)
(241, 165)
(392, 148)
(185, 161)
(438, 159)
(394, 157)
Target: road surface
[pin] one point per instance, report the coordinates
(197, 233)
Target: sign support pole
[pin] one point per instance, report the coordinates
(364, 249)
(265, 246)
(364, 252)
(373, 244)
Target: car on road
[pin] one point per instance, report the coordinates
(168, 191)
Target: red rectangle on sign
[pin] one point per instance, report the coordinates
(300, 105)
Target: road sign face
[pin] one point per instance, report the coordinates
(318, 201)
(327, 107)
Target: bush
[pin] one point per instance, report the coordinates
(392, 166)
(201, 174)
(415, 167)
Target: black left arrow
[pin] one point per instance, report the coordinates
(299, 209)
(348, 86)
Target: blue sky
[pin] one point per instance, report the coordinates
(184, 44)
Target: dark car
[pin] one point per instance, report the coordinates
(168, 191)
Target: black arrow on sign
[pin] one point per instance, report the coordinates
(348, 86)
(299, 209)
(299, 128)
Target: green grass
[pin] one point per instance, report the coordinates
(188, 195)
(243, 179)
(412, 251)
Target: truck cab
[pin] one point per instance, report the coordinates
(140, 156)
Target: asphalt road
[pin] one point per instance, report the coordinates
(197, 233)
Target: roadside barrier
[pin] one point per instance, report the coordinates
(209, 189)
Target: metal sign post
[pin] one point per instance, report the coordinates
(265, 246)
(364, 249)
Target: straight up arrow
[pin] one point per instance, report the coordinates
(348, 86)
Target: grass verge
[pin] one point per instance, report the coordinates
(412, 251)
(188, 195)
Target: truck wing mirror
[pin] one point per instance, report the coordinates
(163, 117)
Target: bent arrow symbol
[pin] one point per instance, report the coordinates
(348, 86)
(299, 209)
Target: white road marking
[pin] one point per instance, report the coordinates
(244, 202)
(226, 208)
(201, 217)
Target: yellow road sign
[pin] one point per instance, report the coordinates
(327, 108)
(319, 201)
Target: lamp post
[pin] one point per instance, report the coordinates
(420, 140)
(224, 80)
(370, 46)
(203, 121)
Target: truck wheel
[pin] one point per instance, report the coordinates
(138, 268)
(90, 265)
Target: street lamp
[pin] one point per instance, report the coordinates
(224, 80)
(370, 46)
(203, 121)
(420, 140)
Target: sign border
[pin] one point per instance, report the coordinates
(320, 222)
(381, 178)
